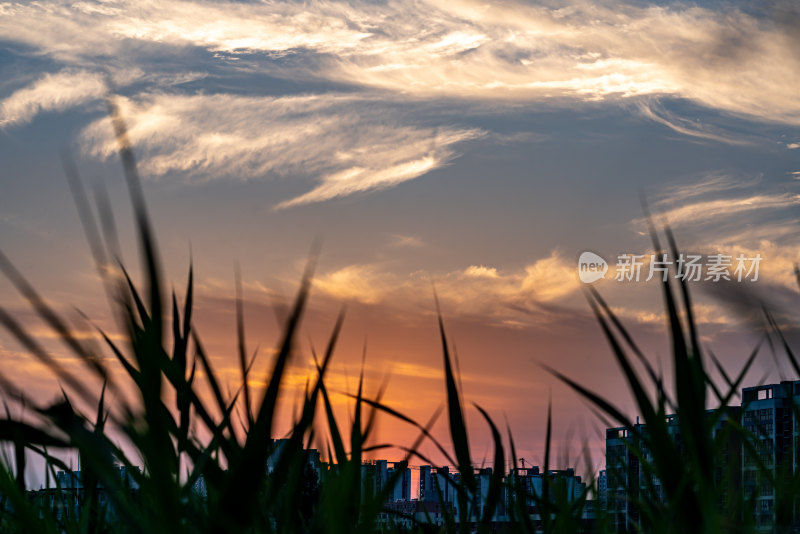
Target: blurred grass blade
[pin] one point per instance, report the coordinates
(458, 429)
(242, 346)
(494, 493)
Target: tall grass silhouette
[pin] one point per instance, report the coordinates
(162, 353)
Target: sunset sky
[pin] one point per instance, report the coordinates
(478, 147)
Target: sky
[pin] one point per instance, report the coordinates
(477, 148)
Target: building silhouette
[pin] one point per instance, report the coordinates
(378, 477)
(66, 497)
(750, 477)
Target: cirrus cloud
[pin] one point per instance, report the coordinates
(348, 144)
(724, 58)
(52, 92)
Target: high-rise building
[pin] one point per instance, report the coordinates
(769, 414)
(401, 491)
(312, 457)
(752, 475)
(602, 487)
(626, 482)
(427, 492)
(376, 475)
(437, 484)
(64, 499)
(531, 481)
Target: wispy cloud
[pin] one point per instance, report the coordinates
(385, 164)
(720, 196)
(727, 207)
(52, 92)
(722, 58)
(231, 27)
(731, 215)
(93, 28)
(655, 112)
(710, 183)
(350, 145)
(399, 240)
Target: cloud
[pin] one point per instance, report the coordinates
(511, 294)
(724, 214)
(777, 260)
(51, 92)
(345, 141)
(708, 184)
(653, 111)
(385, 174)
(479, 271)
(399, 240)
(516, 296)
(703, 314)
(551, 278)
(724, 58)
(708, 210)
(362, 283)
(62, 30)
(545, 294)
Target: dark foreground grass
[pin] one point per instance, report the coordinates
(161, 355)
